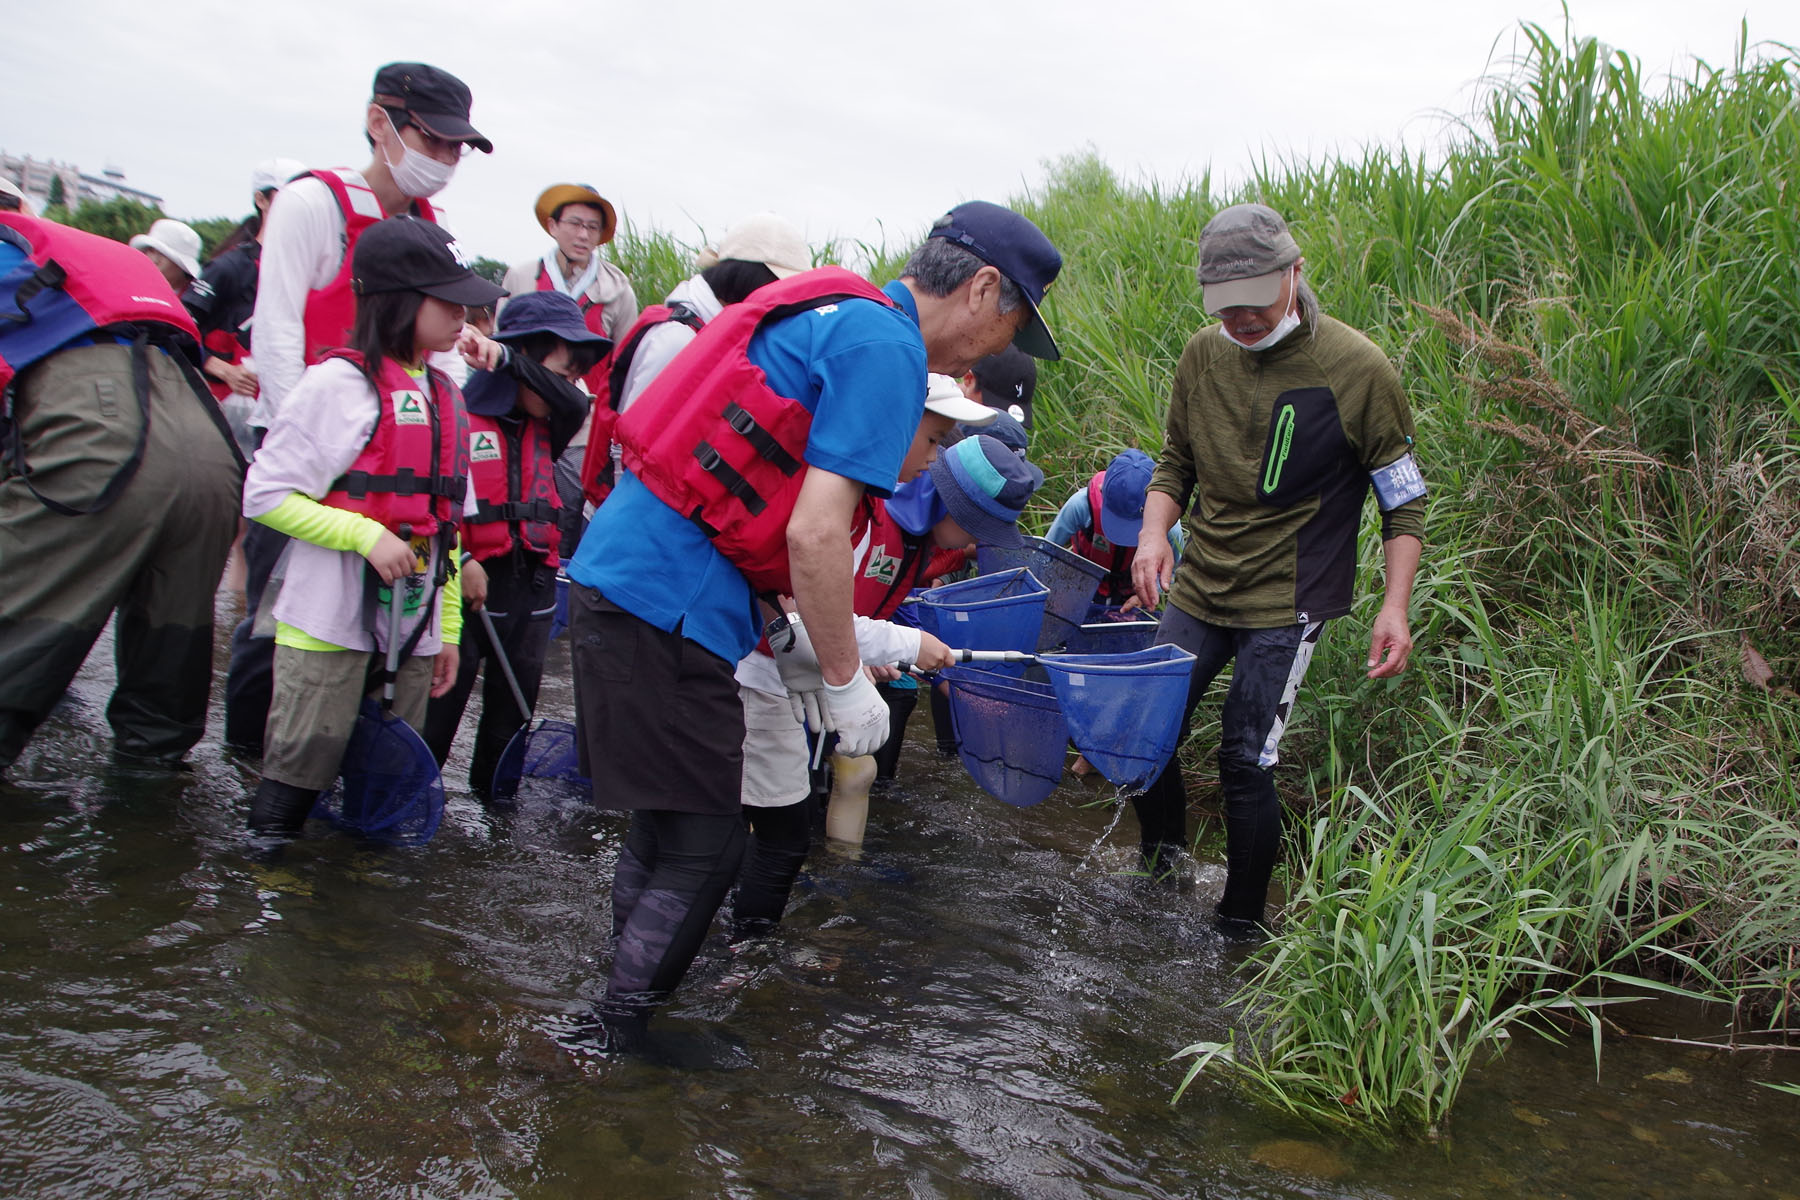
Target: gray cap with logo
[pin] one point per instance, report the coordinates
(1244, 250)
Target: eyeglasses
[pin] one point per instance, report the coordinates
(593, 227)
(445, 150)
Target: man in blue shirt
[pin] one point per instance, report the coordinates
(660, 617)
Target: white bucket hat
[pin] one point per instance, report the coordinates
(175, 240)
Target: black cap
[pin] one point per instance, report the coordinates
(405, 254)
(438, 99)
(1007, 381)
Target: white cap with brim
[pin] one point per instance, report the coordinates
(175, 241)
(945, 397)
(10, 188)
(764, 238)
(272, 173)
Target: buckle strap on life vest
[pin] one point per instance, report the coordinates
(539, 512)
(403, 482)
(714, 464)
(760, 439)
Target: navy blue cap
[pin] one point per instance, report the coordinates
(1122, 495)
(1004, 430)
(493, 393)
(546, 312)
(438, 99)
(985, 486)
(1009, 242)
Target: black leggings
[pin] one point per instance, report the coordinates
(672, 876)
(1269, 666)
(780, 838)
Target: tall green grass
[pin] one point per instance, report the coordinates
(1583, 789)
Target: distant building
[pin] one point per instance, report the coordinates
(33, 176)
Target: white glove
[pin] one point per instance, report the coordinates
(799, 668)
(859, 714)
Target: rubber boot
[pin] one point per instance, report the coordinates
(1252, 845)
(900, 702)
(280, 808)
(847, 817)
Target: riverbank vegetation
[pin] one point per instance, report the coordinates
(1583, 789)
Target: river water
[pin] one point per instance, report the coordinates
(982, 1003)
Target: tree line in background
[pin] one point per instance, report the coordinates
(122, 219)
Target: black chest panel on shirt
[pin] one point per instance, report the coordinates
(1305, 451)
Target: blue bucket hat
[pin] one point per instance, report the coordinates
(1016, 248)
(985, 486)
(545, 312)
(493, 393)
(1122, 495)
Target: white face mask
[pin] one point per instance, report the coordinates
(1282, 328)
(418, 175)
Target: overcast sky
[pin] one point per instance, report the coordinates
(859, 121)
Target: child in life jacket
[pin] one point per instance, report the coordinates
(366, 468)
(1101, 521)
(524, 408)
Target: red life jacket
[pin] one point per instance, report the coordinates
(1091, 544)
(331, 310)
(414, 469)
(890, 561)
(515, 489)
(597, 477)
(593, 314)
(714, 442)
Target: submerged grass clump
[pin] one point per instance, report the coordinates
(1583, 789)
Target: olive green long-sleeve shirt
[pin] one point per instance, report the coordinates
(1274, 449)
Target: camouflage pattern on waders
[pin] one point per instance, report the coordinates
(154, 554)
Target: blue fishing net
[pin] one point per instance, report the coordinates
(389, 789)
(1123, 710)
(1111, 637)
(1003, 611)
(1070, 579)
(1010, 732)
(546, 751)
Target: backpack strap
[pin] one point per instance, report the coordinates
(140, 383)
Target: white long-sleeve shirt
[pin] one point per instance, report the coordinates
(303, 248)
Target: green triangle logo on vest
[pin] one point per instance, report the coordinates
(409, 409)
(882, 565)
(484, 447)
